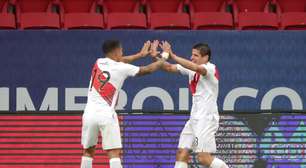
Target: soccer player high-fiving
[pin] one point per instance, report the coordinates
(107, 78)
(199, 131)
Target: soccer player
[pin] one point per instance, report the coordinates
(107, 78)
(199, 131)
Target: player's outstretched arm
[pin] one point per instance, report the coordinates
(144, 70)
(169, 67)
(182, 61)
(142, 53)
(188, 64)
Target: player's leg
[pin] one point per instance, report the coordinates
(114, 158)
(90, 132)
(112, 142)
(205, 133)
(185, 144)
(182, 157)
(210, 161)
(87, 158)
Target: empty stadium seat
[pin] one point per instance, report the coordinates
(210, 14)
(292, 14)
(122, 14)
(36, 14)
(79, 14)
(167, 14)
(7, 18)
(2, 3)
(253, 15)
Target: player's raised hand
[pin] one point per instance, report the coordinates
(145, 49)
(153, 49)
(166, 47)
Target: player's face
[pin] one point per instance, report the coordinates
(197, 58)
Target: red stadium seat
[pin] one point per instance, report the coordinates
(2, 3)
(7, 20)
(253, 15)
(122, 14)
(292, 14)
(167, 14)
(80, 14)
(210, 14)
(37, 14)
(292, 5)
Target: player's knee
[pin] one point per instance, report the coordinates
(182, 155)
(114, 153)
(205, 159)
(89, 152)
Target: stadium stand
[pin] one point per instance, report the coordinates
(154, 14)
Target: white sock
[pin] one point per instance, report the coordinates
(202, 166)
(86, 162)
(218, 163)
(180, 164)
(115, 163)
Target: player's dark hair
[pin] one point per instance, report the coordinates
(110, 45)
(203, 48)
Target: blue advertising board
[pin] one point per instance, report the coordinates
(50, 70)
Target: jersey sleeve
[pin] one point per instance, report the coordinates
(184, 71)
(211, 70)
(129, 70)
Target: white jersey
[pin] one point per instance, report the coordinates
(106, 81)
(204, 90)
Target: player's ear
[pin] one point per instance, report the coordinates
(206, 57)
(119, 51)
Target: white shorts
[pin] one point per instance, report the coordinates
(199, 135)
(95, 122)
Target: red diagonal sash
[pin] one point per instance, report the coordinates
(102, 85)
(194, 82)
